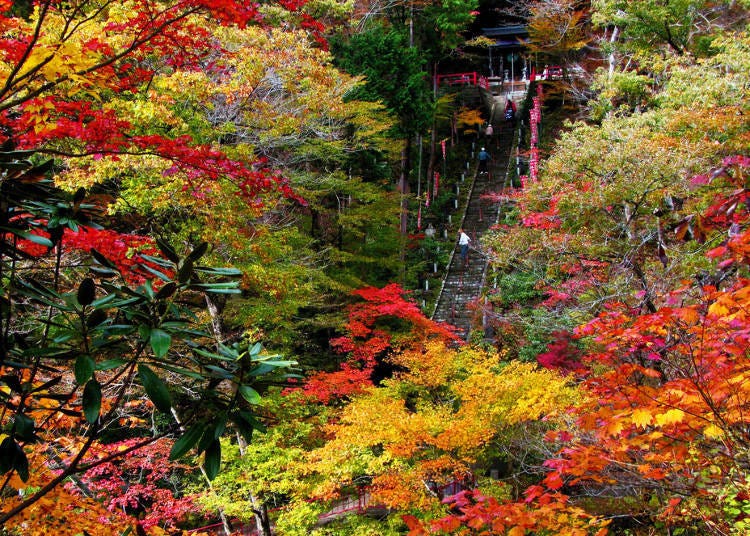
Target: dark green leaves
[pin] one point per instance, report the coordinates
(249, 394)
(168, 251)
(155, 388)
(212, 459)
(86, 291)
(188, 440)
(12, 457)
(160, 342)
(92, 400)
(31, 237)
(198, 252)
(84, 368)
(23, 427)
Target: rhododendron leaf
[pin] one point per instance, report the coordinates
(79, 196)
(249, 394)
(157, 273)
(92, 400)
(96, 317)
(104, 300)
(198, 252)
(110, 364)
(166, 291)
(255, 350)
(31, 237)
(168, 251)
(43, 387)
(185, 272)
(247, 420)
(104, 261)
(12, 457)
(155, 388)
(180, 370)
(234, 272)
(23, 427)
(103, 272)
(160, 341)
(188, 440)
(263, 368)
(84, 368)
(229, 287)
(212, 459)
(157, 260)
(213, 355)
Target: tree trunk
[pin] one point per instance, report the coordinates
(260, 510)
(403, 184)
(612, 39)
(215, 314)
(262, 522)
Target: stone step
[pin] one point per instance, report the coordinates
(463, 284)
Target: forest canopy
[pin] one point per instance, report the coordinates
(216, 288)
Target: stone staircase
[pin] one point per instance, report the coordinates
(462, 285)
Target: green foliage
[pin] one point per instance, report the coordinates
(300, 520)
(649, 26)
(517, 288)
(265, 471)
(628, 88)
(394, 74)
(357, 525)
(451, 18)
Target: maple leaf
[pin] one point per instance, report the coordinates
(641, 417)
(672, 416)
(713, 432)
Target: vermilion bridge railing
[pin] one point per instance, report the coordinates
(461, 79)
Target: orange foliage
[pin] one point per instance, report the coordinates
(51, 514)
(668, 415)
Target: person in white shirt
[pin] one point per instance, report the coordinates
(463, 242)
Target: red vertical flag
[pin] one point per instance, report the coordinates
(435, 185)
(442, 147)
(419, 217)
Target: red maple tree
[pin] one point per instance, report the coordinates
(386, 320)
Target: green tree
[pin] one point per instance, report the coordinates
(394, 74)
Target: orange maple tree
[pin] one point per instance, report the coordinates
(664, 425)
(667, 419)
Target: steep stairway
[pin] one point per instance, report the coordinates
(463, 283)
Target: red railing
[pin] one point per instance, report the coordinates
(463, 79)
(359, 503)
(237, 528)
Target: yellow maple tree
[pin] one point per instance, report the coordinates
(428, 425)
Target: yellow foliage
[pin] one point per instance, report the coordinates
(469, 118)
(642, 417)
(432, 421)
(672, 416)
(713, 432)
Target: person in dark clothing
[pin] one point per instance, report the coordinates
(484, 160)
(510, 110)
